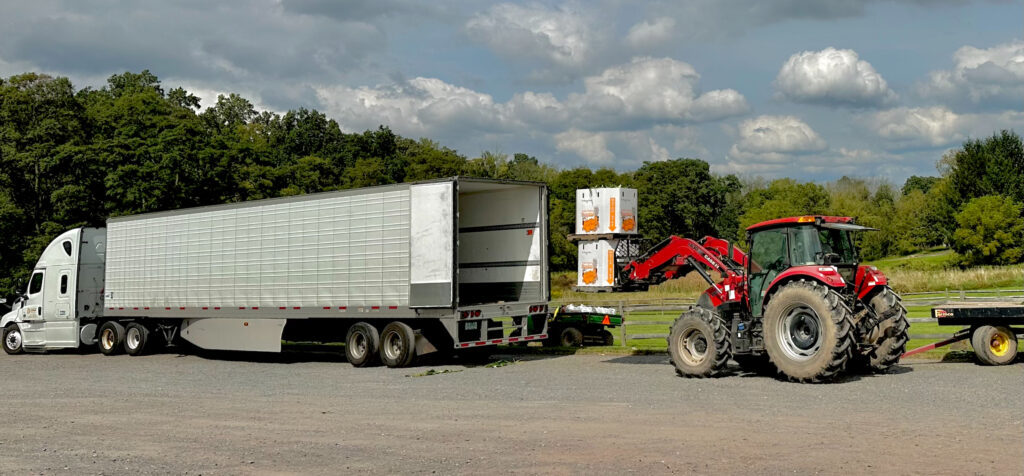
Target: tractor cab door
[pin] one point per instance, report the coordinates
(769, 256)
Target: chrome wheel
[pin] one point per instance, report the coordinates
(393, 345)
(800, 333)
(13, 339)
(359, 345)
(133, 338)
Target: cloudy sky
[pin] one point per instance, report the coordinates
(811, 89)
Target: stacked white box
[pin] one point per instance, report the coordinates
(596, 264)
(606, 210)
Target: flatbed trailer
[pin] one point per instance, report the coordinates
(992, 328)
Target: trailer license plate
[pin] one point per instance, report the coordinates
(472, 325)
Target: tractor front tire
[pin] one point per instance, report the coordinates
(994, 345)
(699, 344)
(888, 338)
(808, 332)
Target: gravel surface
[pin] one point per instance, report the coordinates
(311, 414)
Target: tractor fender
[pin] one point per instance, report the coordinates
(826, 275)
(868, 280)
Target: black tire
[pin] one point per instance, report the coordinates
(994, 345)
(110, 338)
(699, 344)
(887, 339)
(14, 340)
(397, 345)
(136, 338)
(570, 337)
(808, 332)
(606, 338)
(362, 344)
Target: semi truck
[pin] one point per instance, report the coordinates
(394, 271)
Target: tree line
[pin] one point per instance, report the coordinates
(74, 157)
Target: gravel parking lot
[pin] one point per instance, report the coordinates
(311, 413)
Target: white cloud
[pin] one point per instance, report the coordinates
(834, 77)
(590, 146)
(775, 139)
(561, 37)
(650, 33)
(909, 127)
(988, 77)
(653, 89)
(420, 106)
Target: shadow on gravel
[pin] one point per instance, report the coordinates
(766, 372)
(309, 352)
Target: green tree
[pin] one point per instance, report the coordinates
(990, 230)
(680, 197)
(921, 184)
(783, 198)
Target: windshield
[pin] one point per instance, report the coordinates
(812, 245)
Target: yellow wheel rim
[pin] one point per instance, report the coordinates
(999, 344)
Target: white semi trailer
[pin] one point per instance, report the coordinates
(394, 271)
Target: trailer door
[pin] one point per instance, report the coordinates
(432, 245)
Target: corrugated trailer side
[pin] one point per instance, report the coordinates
(437, 261)
(317, 255)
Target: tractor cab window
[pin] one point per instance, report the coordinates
(804, 246)
(36, 284)
(768, 251)
(838, 243)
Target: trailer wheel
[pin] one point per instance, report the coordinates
(13, 340)
(699, 344)
(994, 345)
(397, 345)
(606, 337)
(807, 332)
(362, 343)
(570, 337)
(135, 338)
(111, 338)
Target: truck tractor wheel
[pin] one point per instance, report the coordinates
(570, 337)
(888, 338)
(13, 340)
(362, 343)
(397, 345)
(808, 332)
(111, 338)
(993, 345)
(606, 337)
(135, 338)
(699, 344)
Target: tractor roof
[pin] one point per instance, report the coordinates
(780, 222)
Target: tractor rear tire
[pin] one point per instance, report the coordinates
(994, 345)
(699, 344)
(808, 332)
(888, 338)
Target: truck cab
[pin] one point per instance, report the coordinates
(63, 295)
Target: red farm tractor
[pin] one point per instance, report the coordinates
(800, 302)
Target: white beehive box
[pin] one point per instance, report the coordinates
(606, 210)
(596, 264)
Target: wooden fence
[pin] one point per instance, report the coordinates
(670, 308)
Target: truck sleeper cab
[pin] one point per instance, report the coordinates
(395, 271)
